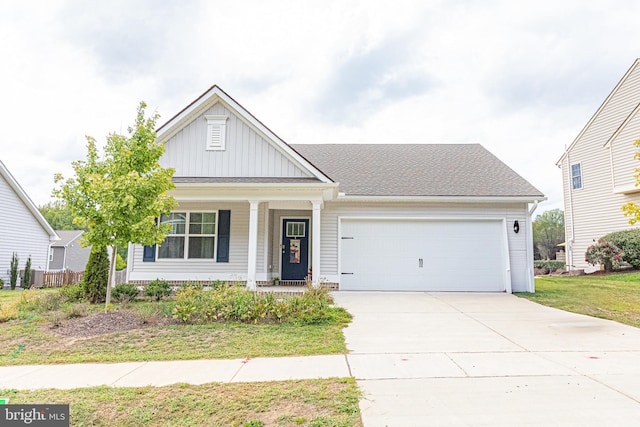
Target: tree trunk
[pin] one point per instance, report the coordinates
(112, 266)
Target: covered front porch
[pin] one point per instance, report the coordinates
(257, 233)
(289, 233)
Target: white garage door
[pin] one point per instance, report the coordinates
(423, 255)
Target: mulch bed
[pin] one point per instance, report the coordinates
(105, 323)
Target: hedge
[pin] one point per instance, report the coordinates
(549, 265)
(629, 242)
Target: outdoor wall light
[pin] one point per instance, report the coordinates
(516, 226)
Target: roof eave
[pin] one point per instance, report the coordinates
(595, 115)
(257, 185)
(22, 195)
(443, 199)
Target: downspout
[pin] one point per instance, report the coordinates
(530, 280)
(569, 264)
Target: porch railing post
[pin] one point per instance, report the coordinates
(253, 244)
(315, 242)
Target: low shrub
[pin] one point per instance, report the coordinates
(604, 253)
(629, 242)
(79, 310)
(241, 305)
(158, 289)
(73, 293)
(56, 318)
(49, 301)
(218, 284)
(8, 312)
(149, 314)
(125, 292)
(29, 300)
(549, 265)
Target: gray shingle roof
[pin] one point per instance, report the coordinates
(66, 237)
(416, 170)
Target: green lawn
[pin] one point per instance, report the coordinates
(615, 297)
(310, 403)
(30, 338)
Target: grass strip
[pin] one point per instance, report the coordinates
(309, 403)
(614, 297)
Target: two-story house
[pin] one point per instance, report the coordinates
(598, 170)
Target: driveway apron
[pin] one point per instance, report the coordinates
(481, 359)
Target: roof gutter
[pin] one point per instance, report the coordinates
(443, 199)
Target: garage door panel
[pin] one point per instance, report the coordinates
(457, 255)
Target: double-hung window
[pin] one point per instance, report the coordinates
(576, 176)
(192, 235)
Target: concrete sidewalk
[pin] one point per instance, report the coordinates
(139, 374)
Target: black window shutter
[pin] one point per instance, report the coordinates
(224, 226)
(149, 253)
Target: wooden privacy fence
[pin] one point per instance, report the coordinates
(57, 279)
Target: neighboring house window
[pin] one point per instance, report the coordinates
(192, 235)
(50, 254)
(576, 176)
(216, 132)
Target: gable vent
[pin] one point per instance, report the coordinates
(216, 132)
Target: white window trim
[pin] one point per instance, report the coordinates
(50, 253)
(295, 236)
(581, 176)
(186, 239)
(217, 124)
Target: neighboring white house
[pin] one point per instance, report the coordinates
(22, 228)
(67, 253)
(430, 217)
(598, 169)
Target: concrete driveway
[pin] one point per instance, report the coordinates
(428, 359)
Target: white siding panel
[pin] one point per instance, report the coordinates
(200, 269)
(511, 212)
(20, 232)
(247, 153)
(594, 210)
(623, 150)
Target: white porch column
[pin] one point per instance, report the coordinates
(315, 243)
(253, 244)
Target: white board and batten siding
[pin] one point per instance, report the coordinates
(205, 270)
(497, 218)
(247, 152)
(595, 209)
(20, 232)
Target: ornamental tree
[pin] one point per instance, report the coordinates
(632, 209)
(117, 195)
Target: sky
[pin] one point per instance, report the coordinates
(522, 78)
